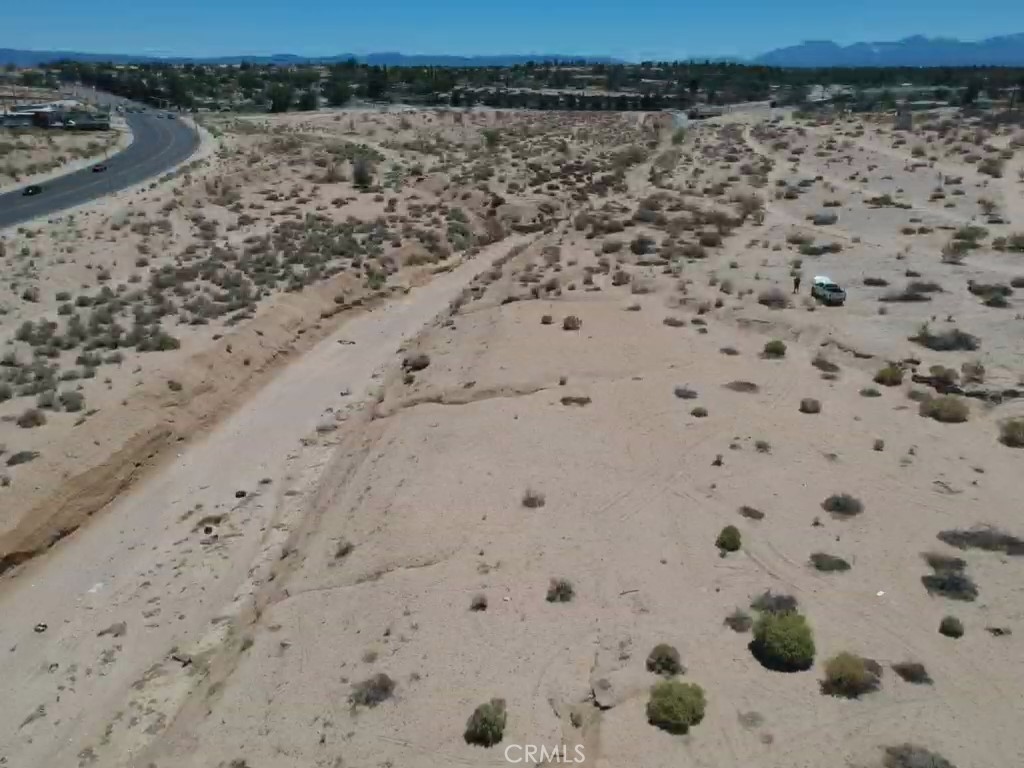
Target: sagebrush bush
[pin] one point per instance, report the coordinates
(572, 323)
(729, 539)
(783, 642)
(775, 348)
(829, 563)
(373, 691)
(810, 405)
(890, 376)
(30, 418)
(486, 726)
(912, 672)
(948, 409)
(675, 706)
(739, 621)
(699, 412)
(773, 298)
(664, 660)
(533, 499)
(1011, 433)
(850, 676)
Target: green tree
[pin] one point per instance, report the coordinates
(309, 100)
(280, 96)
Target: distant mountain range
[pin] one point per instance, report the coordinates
(918, 51)
(23, 58)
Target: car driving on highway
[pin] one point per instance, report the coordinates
(32, 189)
(99, 168)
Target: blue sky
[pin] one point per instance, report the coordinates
(637, 29)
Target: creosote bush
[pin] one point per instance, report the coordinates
(486, 726)
(533, 499)
(913, 756)
(829, 563)
(810, 405)
(774, 349)
(675, 706)
(947, 409)
(783, 642)
(373, 691)
(739, 621)
(664, 660)
(572, 323)
(912, 672)
(699, 412)
(850, 676)
(1011, 433)
(951, 626)
(729, 539)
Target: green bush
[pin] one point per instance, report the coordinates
(783, 642)
(890, 376)
(675, 706)
(951, 626)
(775, 348)
(486, 726)
(1011, 432)
(729, 539)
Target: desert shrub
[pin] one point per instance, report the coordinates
(907, 295)
(762, 446)
(560, 591)
(747, 387)
(739, 621)
(751, 513)
(30, 418)
(571, 323)
(890, 376)
(71, 401)
(546, 320)
(21, 457)
(842, 504)
(951, 626)
(783, 642)
(878, 445)
(850, 676)
(824, 364)
(952, 340)
(810, 405)
(486, 726)
(775, 348)
(773, 298)
(875, 282)
(699, 412)
(533, 499)
(372, 691)
(362, 172)
(770, 602)
(611, 246)
(664, 660)
(685, 393)
(912, 672)
(870, 392)
(478, 603)
(829, 563)
(912, 756)
(948, 409)
(642, 244)
(675, 706)
(984, 537)
(1011, 432)
(728, 539)
(949, 580)
(416, 362)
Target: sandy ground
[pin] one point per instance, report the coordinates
(343, 518)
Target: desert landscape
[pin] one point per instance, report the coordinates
(419, 437)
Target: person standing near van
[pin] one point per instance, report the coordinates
(796, 284)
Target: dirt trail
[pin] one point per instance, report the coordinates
(103, 617)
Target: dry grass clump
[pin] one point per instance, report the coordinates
(912, 756)
(850, 676)
(30, 418)
(912, 672)
(571, 323)
(983, 537)
(1011, 433)
(948, 409)
(675, 706)
(843, 505)
(890, 376)
(664, 660)
(373, 691)
(739, 621)
(949, 579)
(829, 563)
(486, 726)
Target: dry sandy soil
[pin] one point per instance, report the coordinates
(371, 438)
(31, 154)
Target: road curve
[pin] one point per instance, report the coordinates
(158, 144)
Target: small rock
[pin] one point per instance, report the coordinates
(239, 494)
(40, 627)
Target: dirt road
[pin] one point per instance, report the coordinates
(109, 615)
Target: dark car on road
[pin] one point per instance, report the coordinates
(99, 168)
(32, 189)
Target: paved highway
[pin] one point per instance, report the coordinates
(159, 144)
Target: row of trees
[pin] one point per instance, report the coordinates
(649, 85)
